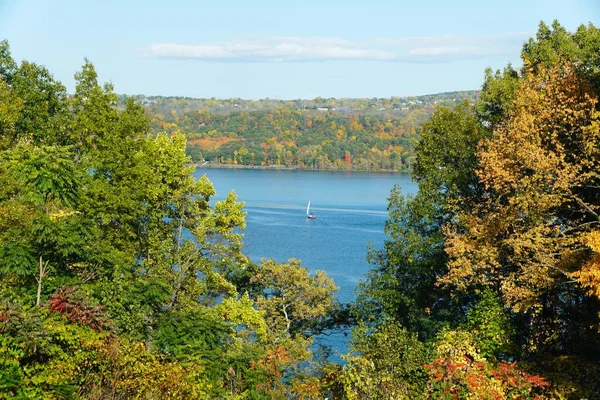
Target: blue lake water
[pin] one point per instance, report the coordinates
(350, 209)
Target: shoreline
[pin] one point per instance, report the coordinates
(208, 165)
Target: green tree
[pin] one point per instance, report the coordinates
(386, 362)
(140, 269)
(403, 283)
(10, 111)
(497, 94)
(292, 298)
(41, 183)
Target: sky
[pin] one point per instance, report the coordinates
(281, 49)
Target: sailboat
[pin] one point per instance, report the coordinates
(308, 213)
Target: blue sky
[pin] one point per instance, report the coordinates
(281, 49)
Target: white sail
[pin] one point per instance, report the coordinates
(308, 208)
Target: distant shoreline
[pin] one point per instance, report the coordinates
(209, 165)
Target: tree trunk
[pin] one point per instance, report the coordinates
(42, 274)
(287, 319)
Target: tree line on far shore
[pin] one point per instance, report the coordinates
(332, 134)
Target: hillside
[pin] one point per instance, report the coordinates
(342, 134)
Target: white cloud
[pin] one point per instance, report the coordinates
(295, 49)
(445, 50)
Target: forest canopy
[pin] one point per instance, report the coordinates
(378, 134)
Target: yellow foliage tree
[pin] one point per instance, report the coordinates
(530, 235)
(589, 275)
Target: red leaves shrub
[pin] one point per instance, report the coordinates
(78, 309)
(453, 379)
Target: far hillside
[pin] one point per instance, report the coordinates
(372, 134)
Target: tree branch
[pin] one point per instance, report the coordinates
(585, 206)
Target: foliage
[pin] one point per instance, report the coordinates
(106, 231)
(302, 140)
(46, 356)
(497, 95)
(531, 238)
(528, 235)
(589, 274)
(341, 134)
(402, 284)
(459, 371)
(502, 234)
(122, 279)
(387, 363)
(491, 328)
(78, 309)
(291, 297)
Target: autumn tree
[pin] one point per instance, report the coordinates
(530, 237)
(509, 189)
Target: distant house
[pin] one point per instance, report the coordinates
(322, 108)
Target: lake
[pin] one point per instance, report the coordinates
(350, 209)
